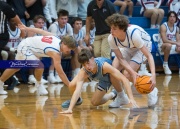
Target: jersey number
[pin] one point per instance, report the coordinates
(47, 39)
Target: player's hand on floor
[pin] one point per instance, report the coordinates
(134, 104)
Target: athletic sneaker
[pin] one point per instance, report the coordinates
(119, 101)
(43, 81)
(52, 79)
(2, 91)
(67, 103)
(58, 79)
(13, 84)
(41, 90)
(167, 71)
(144, 72)
(152, 97)
(32, 89)
(31, 80)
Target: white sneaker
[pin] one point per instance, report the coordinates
(40, 102)
(2, 91)
(52, 79)
(16, 90)
(43, 81)
(119, 101)
(152, 97)
(167, 70)
(31, 79)
(144, 72)
(58, 78)
(41, 90)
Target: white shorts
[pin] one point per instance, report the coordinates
(135, 54)
(24, 52)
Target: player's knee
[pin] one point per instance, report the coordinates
(94, 102)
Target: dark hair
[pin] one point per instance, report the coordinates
(169, 14)
(63, 12)
(118, 20)
(85, 55)
(37, 17)
(74, 20)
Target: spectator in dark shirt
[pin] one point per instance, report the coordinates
(99, 10)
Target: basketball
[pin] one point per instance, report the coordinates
(142, 86)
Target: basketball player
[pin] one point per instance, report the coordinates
(33, 48)
(61, 28)
(101, 69)
(169, 39)
(132, 46)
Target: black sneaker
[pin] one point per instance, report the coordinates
(67, 103)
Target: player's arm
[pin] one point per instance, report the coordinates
(125, 64)
(35, 30)
(57, 64)
(164, 37)
(107, 68)
(81, 77)
(150, 59)
(88, 26)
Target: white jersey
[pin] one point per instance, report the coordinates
(92, 33)
(149, 4)
(171, 4)
(78, 37)
(171, 35)
(136, 37)
(177, 9)
(40, 45)
(59, 32)
(44, 28)
(14, 38)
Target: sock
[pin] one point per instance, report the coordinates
(1, 83)
(31, 76)
(56, 74)
(51, 72)
(38, 83)
(165, 63)
(143, 67)
(153, 26)
(121, 94)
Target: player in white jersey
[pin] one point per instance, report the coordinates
(33, 48)
(170, 40)
(174, 5)
(153, 12)
(131, 45)
(38, 22)
(61, 28)
(92, 31)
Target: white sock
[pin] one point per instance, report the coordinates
(51, 72)
(31, 75)
(165, 63)
(1, 83)
(38, 83)
(56, 74)
(153, 26)
(121, 94)
(143, 67)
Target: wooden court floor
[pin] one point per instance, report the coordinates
(22, 109)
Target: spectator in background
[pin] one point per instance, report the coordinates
(99, 10)
(7, 12)
(123, 5)
(34, 7)
(50, 12)
(91, 33)
(38, 22)
(170, 40)
(82, 10)
(153, 12)
(71, 6)
(60, 29)
(174, 5)
(20, 9)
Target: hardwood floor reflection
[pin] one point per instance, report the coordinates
(22, 109)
